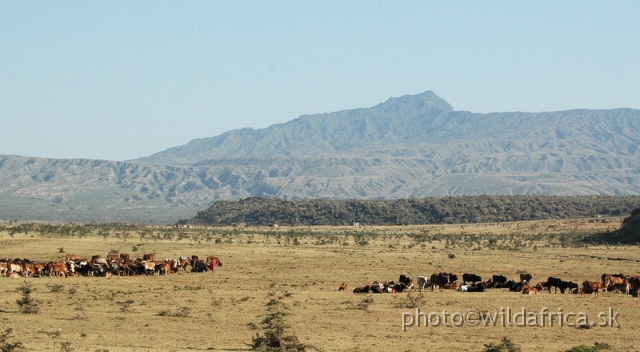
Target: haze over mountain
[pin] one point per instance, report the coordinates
(412, 146)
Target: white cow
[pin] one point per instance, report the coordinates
(423, 283)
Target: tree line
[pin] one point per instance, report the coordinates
(257, 211)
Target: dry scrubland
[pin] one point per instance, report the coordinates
(222, 311)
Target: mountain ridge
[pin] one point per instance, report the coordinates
(408, 147)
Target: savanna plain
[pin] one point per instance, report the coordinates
(297, 271)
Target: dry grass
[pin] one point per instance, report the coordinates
(190, 311)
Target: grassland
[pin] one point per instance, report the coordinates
(301, 268)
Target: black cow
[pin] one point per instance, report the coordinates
(555, 283)
(526, 277)
(477, 288)
(198, 266)
(470, 278)
(499, 279)
(567, 285)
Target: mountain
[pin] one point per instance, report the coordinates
(409, 147)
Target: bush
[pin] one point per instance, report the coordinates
(504, 345)
(598, 346)
(5, 345)
(28, 304)
(274, 337)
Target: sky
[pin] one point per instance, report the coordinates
(119, 80)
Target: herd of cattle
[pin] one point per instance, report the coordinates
(111, 265)
(629, 285)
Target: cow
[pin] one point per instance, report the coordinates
(526, 277)
(58, 268)
(173, 264)
(363, 289)
(453, 277)
(480, 287)
(592, 286)
(4, 268)
(530, 291)
(183, 262)
(624, 287)
(542, 285)
(199, 266)
(472, 278)
(635, 286)
(604, 277)
(439, 279)
(521, 287)
(39, 269)
(150, 257)
(422, 283)
(29, 270)
(70, 256)
(149, 267)
(124, 257)
(553, 282)
(610, 280)
(567, 285)
(15, 268)
(452, 286)
(111, 258)
(161, 268)
(500, 279)
(404, 283)
(342, 287)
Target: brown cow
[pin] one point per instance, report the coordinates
(149, 257)
(343, 287)
(439, 280)
(183, 262)
(113, 258)
(452, 286)
(70, 256)
(624, 287)
(530, 291)
(162, 268)
(4, 268)
(592, 286)
(610, 280)
(39, 268)
(29, 270)
(59, 268)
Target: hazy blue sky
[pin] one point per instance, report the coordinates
(120, 80)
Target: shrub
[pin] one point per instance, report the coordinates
(504, 345)
(5, 345)
(411, 301)
(598, 346)
(28, 304)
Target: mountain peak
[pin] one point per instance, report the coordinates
(423, 101)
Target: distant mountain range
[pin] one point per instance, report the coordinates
(409, 147)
